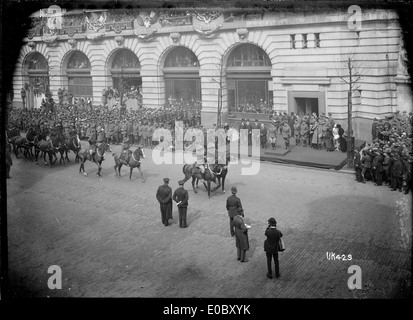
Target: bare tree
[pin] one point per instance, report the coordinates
(352, 80)
(220, 80)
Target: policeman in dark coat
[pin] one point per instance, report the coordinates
(181, 197)
(164, 196)
(241, 236)
(271, 247)
(397, 172)
(358, 166)
(233, 204)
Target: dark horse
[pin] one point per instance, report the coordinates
(18, 142)
(190, 170)
(70, 144)
(220, 171)
(49, 147)
(97, 157)
(30, 137)
(133, 159)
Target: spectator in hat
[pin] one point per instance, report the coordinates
(397, 174)
(271, 247)
(164, 197)
(358, 166)
(304, 132)
(181, 197)
(286, 133)
(233, 204)
(241, 236)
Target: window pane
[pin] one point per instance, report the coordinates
(248, 55)
(181, 58)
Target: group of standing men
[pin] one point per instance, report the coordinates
(180, 196)
(238, 227)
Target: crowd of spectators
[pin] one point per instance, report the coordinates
(388, 159)
(135, 125)
(248, 107)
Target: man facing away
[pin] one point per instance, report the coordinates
(164, 197)
(181, 197)
(233, 204)
(271, 247)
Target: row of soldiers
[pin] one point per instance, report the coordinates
(308, 130)
(389, 158)
(389, 166)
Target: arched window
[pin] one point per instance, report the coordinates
(125, 71)
(181, 72)
(36, 79)
(249, 81)
(125, 59)
(248, 55)
(181, 58)
(78, 75)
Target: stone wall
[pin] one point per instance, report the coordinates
(373, 51)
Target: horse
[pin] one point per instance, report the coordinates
(30, 136)
(97, 157)
(133, 160)
(49, 147)
(72, 144)
(19, 142)
(190, 170)
(220, 171)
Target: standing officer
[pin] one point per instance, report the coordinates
(271, 247)
(241, 236)
(164, 196)
(181, 197)
(233, 204)
(286, 133)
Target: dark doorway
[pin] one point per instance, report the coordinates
(307, 106)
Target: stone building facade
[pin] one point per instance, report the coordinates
(293, 61)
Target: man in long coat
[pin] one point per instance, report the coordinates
(271, 247)
(164, 196)
(233, 205)
(241, 236)
(286, 133)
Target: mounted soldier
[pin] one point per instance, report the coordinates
(124, 155)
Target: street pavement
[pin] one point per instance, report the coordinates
(107, 237)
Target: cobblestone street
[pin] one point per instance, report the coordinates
(107, 236)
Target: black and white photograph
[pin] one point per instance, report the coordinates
(218, 150)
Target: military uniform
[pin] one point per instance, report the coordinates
(304, 133)
(286, 133)
(397, 174)
(233, 204)
(181, 197)
(164, 196)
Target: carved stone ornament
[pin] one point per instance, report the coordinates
(175, 36)
(242, 33)
(207, 33)
(119, 40)
(72, 43)
(50, 40)
(146, 20)
(32, 45)
(146, 36)
(205, 16)
(95, 36)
